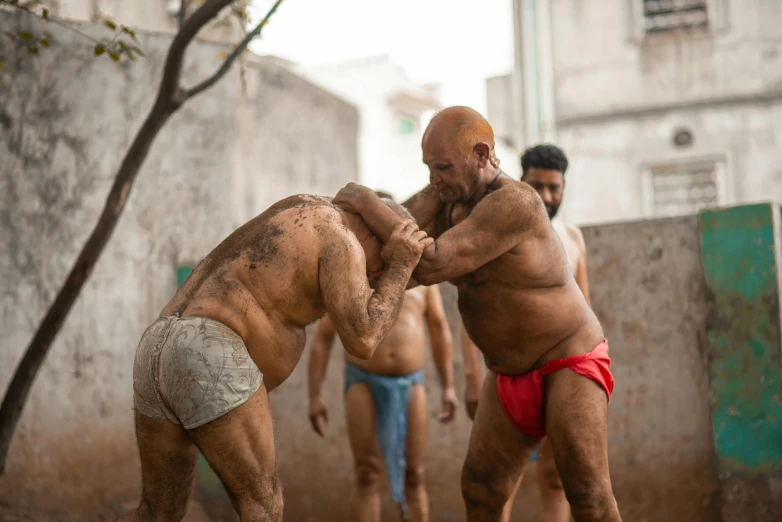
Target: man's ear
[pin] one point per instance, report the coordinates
(483, 153)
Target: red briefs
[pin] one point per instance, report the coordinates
(522, 395)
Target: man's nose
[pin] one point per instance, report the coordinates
(434, 178)
(545, 195)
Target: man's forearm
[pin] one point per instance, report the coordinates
(442, 351)
(319, 360)
(380, 219)
(385, 303)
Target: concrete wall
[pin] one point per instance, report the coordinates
(617, 68)
(66, 119)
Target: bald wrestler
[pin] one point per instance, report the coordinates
(235, 330)
(543, 168)
(545, 349)
(389, 388)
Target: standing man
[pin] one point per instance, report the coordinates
(546, 351)
(543, 168)
(389, 388)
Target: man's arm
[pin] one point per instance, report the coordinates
(495, 226)
(361, 200)
(362, 317)
(319, 361)
(442, 350)
(581, 267)
(473, 373)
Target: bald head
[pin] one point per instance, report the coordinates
(462, 128)
(458, 148)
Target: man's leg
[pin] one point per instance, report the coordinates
(168, 459)
(240, 448)
(360, 411)
(496, 457)
(554, 506)
(415, 490)
(506, 511)
(575, 412)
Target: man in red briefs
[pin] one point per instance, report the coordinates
(545, 349)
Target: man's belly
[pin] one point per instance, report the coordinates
(518, 331)
(400, 353)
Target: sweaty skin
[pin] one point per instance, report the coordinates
(400, 353)
(267, 281)
(521, 305)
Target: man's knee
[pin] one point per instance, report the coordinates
(589, 500)
(481, 488)
(414, 477)
(264, 504)
(367, 474)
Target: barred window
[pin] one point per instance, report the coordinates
(684, 189)
(668, 15)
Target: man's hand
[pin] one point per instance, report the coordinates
(450, 405)
(349, 196)
(471, 394)
(319, 416)
(405, 245)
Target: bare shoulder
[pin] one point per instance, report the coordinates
(575, 234)
(514, 203)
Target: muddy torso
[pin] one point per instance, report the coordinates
(524, 308)
(262, 282)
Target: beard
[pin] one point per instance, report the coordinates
(552, 211)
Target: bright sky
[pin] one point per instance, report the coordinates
(457, 43)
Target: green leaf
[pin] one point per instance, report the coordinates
(44, 42)
(108, 23)
(99, 49)
(45, 14)
(24, 34)
(138, 50)
(114, 56)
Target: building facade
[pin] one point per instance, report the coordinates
(393, 112)
(664, 107)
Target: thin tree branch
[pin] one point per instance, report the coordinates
(56, 22)
(169, 86)
(182, 12)
(189, 93)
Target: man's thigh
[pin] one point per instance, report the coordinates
(575, 412)
(362, 431)
(416, 429)
(240, 448)
(498, 451)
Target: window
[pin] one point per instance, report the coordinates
(406, 126)
(684, 188)
(667, 15)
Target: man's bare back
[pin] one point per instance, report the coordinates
(235, 331)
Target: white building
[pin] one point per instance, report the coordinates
(392, 114)
(663, 106)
